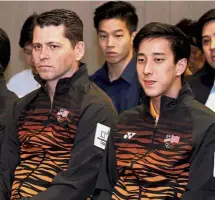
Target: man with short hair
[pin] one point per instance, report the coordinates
(164, 148)
(23, 82)
(116, 24)
(203, 82)
(54, 141)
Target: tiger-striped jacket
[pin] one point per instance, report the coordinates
(49, 152)
(170, 160)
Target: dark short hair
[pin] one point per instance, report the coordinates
(205, 18)
(117, 9)
(26, 35)
(4, 50)
(179, 42)
(189, 27)
(69, 19)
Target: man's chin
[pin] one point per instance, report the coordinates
(212, 65)
(152, 94)
(112, 61)
(46, 78)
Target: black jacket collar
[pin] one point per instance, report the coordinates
(185, 94)
(79, 80)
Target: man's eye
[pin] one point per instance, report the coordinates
(102, 36)
(28, 52)
(159, 60)
(140, 60)
(36, 47)
(53, 46)
(205, 41)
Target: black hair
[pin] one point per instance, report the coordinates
(69, 19)
(189, 27)
(117, 9)
(5, 51)
(26, 34)
(179, 42)
(205, 18)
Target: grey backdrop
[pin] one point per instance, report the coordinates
(13, 14)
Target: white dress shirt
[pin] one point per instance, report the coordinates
(210, 103)
(23, 83)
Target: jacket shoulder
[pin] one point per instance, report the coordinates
(130, 115)
(98, 97)
(202, 119)
(199, 112)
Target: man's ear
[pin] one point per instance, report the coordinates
(133, 36)
(181, 66)
(79, 50)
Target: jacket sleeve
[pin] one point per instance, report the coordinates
(108, 174)
(79, 180)
(10, 154)
(201, 184)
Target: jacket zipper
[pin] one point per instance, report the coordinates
(153, 137)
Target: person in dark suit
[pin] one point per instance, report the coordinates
(202, 83)
(197, 58)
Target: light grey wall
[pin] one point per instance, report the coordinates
(13, 14)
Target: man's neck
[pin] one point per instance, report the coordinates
(115, 70)
(156, 101)
(51, 84)
(156, 104)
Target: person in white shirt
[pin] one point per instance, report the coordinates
(23, 82)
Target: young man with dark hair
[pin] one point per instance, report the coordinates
(116, 24)
(23, 82)
(197, 58)
(164, 148)
(203, 82)
(54, 142)
(7, 97)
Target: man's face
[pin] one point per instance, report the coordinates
(27, 50)
(196, 60)
(53, 54)
(115, 40)
(155, 67)
(208, 42)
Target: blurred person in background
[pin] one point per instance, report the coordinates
(23, 82)
(197, 58)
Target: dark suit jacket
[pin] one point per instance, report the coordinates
(202, 82)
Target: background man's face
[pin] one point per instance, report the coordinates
(115, 40)
(27, 50)
(196, 60)
(208, 42)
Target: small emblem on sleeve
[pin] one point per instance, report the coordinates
(101, 136)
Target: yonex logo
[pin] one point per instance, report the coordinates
(129, 135)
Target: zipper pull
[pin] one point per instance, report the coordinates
(156, 122)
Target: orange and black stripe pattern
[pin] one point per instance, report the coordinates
(46, 138)
(153, 163)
